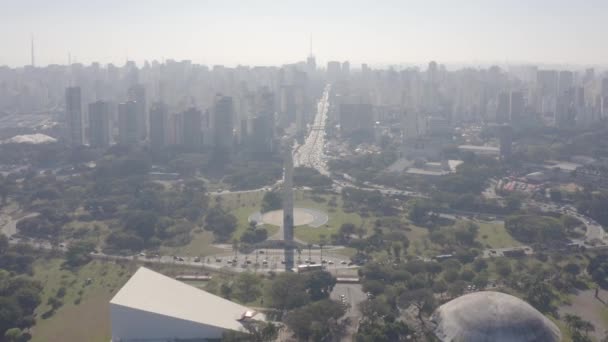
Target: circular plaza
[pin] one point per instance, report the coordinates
(301, 217)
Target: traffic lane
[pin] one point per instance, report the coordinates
(353, 296)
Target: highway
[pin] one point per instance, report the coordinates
(311, 153)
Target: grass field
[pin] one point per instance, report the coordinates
(244, 204)
(337, 217)
(87, 320)
(495, 235)
(199, 246)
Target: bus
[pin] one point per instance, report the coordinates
(308, 268)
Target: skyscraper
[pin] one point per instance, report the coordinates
(288, 208)
(127, 123)
(192, 133)
(506, 141)
(158, 125)
(137, 93)
(73, 106)
(223, 123)
(502, 108)
(516, 106)
(334, 71)
(99, 124)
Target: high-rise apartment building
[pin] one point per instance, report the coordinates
(74, 118)
(158, 125)
(137, 93)
(192, 134)
(223, 123)
(99, 124)
(127, 123)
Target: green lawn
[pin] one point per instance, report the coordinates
(200, 245)
(243, 205)
(337, 217)
(494, 235)
(87, 321)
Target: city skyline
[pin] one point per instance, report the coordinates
(235, 32)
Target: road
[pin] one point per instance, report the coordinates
(10, 227)
(311, 153)
(594, 232)
(350, 295)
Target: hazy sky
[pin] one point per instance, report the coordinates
(277, 31)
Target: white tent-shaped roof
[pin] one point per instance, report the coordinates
(153, 306)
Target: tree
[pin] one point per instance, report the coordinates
(287, 291)
(14, 335)
(397, 250)
(419, 212)
(319, 284)
(377, 331)
(3, 244)
(10, 313)
(256, 331)
(271, 201)
(221, 223)
(247, 287)
(540, 296)
(422, 299)
(313, 321)
(142, 223)
(78, 253)
(503, 267)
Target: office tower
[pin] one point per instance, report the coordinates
(565, 110)
(287, 106)
(506, 141)
(311, 64)
(73, 107)
(223, 123)
(516, 106)
(158, 125)
(174, 129)
(604, 88)
(99, 124)
(502, 108)
(356, 118)
(566, 81)
(432, 73)
(345, 69)
(288, 208)
(137, 93)
(300, 114)
(32, 53)
(334, 71)
(192, 134)
(127, 123)
(547, 82)
(409, 125)
(260, 136)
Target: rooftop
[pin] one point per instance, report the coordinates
(492, 316)
(153, 292)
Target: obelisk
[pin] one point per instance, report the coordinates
(288, 208)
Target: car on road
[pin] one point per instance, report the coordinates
(197, 259)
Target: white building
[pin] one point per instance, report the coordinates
(153, 307)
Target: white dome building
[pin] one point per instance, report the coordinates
(488, 316)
